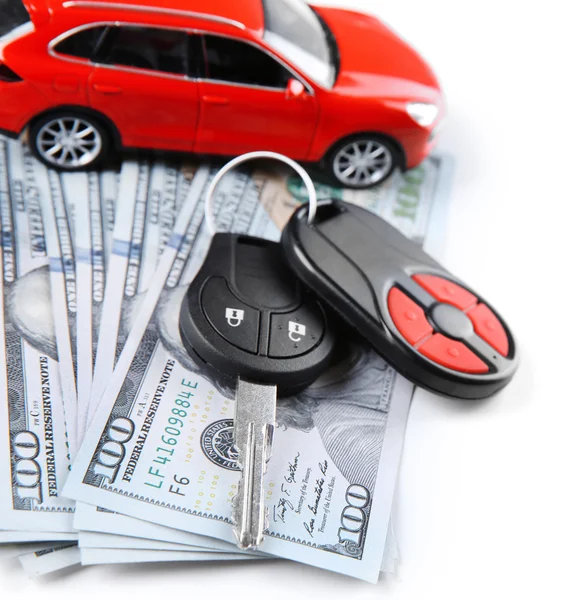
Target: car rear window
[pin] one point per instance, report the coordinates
(82, 44)
(12, 15)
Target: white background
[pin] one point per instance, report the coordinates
(478, 502)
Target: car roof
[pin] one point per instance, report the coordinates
(248, 13)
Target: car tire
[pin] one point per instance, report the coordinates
(362, 161)
(69, 141)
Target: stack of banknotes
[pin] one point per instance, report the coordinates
(114, 447)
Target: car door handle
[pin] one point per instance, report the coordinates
(217, 100)
(110, 90)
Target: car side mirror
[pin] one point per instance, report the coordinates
(295, 89)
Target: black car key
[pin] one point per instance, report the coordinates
(430, 326)
(247, 321)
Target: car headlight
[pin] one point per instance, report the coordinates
(423, 113)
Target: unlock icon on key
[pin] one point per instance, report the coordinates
(234, 317)
(296, 331)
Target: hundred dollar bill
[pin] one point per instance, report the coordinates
(140, 535)
(83, 205)
(167, 191)
(34, 457)
(88, 516)
(103, 556)
(12, 537)
(123, 542)
(409, 195)
(132, 198)
(92, 519)
(409, 201)
(149, 199)
(75, 232)
(162, 190)
(59, 208)
(229, 201)
(336, 450)
(65, 209)
(391, 556)
(163, 554)
(49, 560)
(74, 217)
(93, 225)
(109, 191)
(93, 523)
(9, 551)
(118, 542)
(160, 550)
(90, 281)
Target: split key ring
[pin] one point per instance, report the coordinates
(244, 158)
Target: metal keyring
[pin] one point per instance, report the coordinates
(312, 196)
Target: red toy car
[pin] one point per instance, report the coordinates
(217, 77)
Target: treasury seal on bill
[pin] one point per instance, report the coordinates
(217, 443)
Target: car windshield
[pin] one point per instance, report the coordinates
(295, 31)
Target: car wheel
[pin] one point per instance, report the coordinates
(69, 142)
(363, 161)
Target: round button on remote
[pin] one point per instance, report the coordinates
(451, 321)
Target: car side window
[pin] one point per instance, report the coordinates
(82, 44)
(238, 62)
(13, 14)
(163, 50)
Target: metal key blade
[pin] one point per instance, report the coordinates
(253, 437)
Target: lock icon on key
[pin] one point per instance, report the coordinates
(234, 317)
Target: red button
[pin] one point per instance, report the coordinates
(489, 328)
(446, 291)
(409, 318)
(453, 355)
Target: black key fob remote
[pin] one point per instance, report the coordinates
(246, 315)
(426, 323)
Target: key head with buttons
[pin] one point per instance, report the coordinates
(247, 316)
(424, 321)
